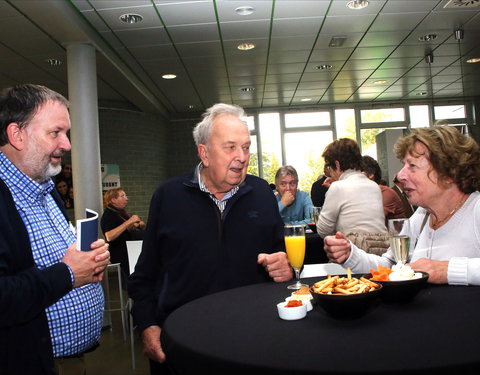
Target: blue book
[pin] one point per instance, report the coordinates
(87, 230)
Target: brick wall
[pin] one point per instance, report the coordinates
(148, 150)
(137, 142)
(181, 147)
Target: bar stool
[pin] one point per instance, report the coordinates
(120, 304)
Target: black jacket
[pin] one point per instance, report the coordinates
(25, 292)
(191, 250)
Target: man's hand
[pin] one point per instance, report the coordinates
(276, 265)
(87, 266)
(287, 198)
(337, 247)
(151, 344)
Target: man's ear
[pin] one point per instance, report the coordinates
(203, 154)
(15, 136)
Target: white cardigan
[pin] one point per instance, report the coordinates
(353, 203)
(457, 241)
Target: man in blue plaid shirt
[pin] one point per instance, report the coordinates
(51, 301)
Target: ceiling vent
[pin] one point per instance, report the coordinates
(462, 4)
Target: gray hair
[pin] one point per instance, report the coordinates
(202, 131)
(286, 170)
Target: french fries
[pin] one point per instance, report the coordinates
(344, 285)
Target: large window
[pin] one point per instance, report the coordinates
(419, 117)
(382, 115)
(299, 138)
(308, 119)
(345, 123)
(304, 152)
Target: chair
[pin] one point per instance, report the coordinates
(322, 269)
(134, 249)
(123, 304)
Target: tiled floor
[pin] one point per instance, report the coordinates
(113, 357)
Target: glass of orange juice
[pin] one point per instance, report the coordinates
(295, 246)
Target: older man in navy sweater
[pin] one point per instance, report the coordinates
(214, 229)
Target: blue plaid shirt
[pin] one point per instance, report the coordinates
(75, 320)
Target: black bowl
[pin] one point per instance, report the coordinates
(346, 305)
(401, 291)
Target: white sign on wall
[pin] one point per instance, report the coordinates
(110, 176)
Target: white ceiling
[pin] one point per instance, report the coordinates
(197, 40)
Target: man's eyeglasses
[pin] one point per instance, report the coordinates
(285, 184)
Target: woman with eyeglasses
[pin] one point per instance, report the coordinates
(294, 205)
(118, 227)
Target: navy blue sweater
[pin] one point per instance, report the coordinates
(191, 250)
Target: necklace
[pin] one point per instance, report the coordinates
(439, 223)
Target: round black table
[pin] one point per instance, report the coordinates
(239, 332)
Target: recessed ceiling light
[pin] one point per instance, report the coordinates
(169, 76)
(324, 67)
(131, 18)
(474, 60)
(427, 38)
(379, 82)
(247, 89)
(306, 100)
(244, 10)
(421, 93)
(246, 46)
(53, 62)
(357, 4)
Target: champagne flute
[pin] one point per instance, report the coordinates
(399, 239)
(315, 214)
(295, 245)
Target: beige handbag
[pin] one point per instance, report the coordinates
(373, 243)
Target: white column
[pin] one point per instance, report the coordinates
(84, 134)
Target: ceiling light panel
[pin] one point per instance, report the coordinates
(357, 4)
(183, 12)
(244, 10)
(112, 17)
(131, 18)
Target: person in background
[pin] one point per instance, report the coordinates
(71, 196)
(65, 175)
(213, 229)
(397, 187)
(118, 227)
(353, 203)
(318, 190)
(441, 175)
(51, 301)
(295, 206)
(392, 204)
(62, 188)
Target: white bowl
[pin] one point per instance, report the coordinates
(305, 298)
(291, 313)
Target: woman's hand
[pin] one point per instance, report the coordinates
(436, 269)
(337, 247)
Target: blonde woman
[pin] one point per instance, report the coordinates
(118, 226)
